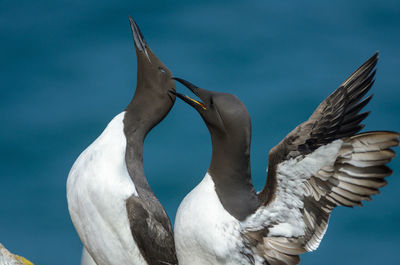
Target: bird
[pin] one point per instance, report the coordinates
(323, 163)
(116, 214)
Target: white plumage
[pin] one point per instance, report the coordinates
(97, 188)
(86, 258)
(284, 211)
(203, 226)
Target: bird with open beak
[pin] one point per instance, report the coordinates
(117, 216)
(323, 163)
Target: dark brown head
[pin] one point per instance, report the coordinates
(229, 124)
(155, 89)
(224, 114)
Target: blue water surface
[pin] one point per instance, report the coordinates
(68, 67)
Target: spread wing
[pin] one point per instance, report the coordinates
(321, 164)
(152, 231)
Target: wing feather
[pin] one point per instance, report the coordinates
(321, 164)
(152, 231)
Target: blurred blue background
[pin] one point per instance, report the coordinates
(68, 67)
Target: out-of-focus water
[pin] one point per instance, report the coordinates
(68, 67)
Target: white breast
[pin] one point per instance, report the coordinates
(205, 233)
(97, 188)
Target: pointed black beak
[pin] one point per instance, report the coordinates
(140, 43)
(192, 87)
(192, 102)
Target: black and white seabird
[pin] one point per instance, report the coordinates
(117, 216)
(321, 164)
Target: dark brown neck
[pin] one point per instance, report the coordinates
(231, 173)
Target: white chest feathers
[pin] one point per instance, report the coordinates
(205, 233)
(97, 188)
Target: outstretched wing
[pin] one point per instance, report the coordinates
(317, 166)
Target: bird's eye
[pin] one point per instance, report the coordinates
(162, 70)
(211, 101)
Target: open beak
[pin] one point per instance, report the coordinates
(192, 102)
(140, 43)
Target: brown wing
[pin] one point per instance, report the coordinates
(152, 231)
(336, 117)
(357, 172)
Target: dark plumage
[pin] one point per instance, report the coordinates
(153, 99)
